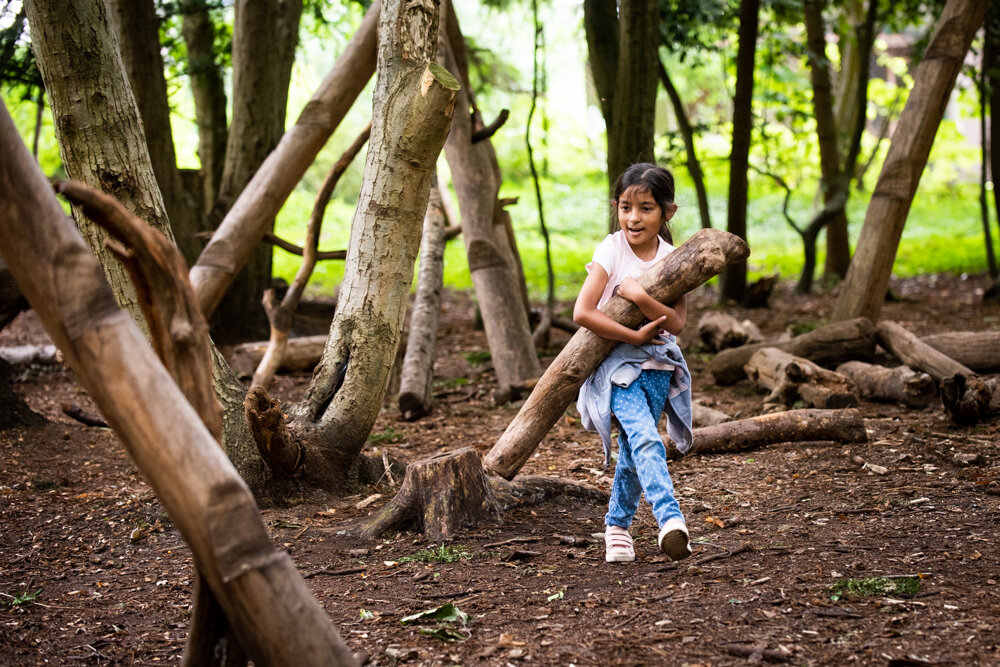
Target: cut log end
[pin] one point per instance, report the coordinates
(282, 453)
(966, 398)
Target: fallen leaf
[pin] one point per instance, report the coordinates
(715, 521)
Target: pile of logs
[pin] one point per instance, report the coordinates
(828, 368)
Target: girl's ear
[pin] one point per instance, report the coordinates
(669, 211)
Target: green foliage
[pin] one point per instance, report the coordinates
(478, 357)
(19, 599)
(388, 436)
(443, 554)
(861, 588)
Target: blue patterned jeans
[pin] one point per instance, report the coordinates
(642, 457)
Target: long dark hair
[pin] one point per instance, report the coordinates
(651, 178)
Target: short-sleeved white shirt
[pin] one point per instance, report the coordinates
(616, 257)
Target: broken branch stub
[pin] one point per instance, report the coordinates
(701, 257)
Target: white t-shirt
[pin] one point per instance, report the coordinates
(616, 257)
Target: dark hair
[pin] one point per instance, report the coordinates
(651, 178)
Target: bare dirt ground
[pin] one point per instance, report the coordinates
(93, 571)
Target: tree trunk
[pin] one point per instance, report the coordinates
(492, 264)
(867, 280)
(901, 384)
(633, 107)
(263, 596)
(792, 379)
(260, 97)
(418, 364)
(702, 256)
(413, 107)
(600, 22)
(733, 282)
(208, 89)
(12, 302)
(978, 350)
(250, 216)
(841, 426)
(828, 345)
(687, 133)
(138, 30)
(97, 122)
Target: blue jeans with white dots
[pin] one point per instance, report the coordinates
(642, 457)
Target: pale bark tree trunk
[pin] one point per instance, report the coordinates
(250, 216)
(733, 281)
(260, 96)
(259, 589)
(492, 264)
(413, 108)
(97, 121)
(209, 92)
(418, 364)
(864, 289)
(138, 31)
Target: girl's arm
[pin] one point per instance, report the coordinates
(675, 314)
(586, 314)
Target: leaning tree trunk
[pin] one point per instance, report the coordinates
(702, 256)
(867, 280)
(418, 364)
(733, 283)
(138, 31)
(413, 107)
(260, 97)
(97, 122)
(248, 219)
(476, 176)
(264, 598)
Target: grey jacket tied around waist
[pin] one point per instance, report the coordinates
(621, 368)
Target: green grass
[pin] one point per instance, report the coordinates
(872, 586)
(387, 436)
(443, 554)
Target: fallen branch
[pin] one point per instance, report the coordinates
(901, 384)
(791, 378)
(83, 416)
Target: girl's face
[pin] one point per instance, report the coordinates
(640, 218)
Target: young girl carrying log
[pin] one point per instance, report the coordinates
(646, 374)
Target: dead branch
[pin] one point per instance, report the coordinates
(792, 378)
(83, 416)
(901, 384)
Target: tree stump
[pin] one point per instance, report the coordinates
(438, 497)
(792, 378)
(719, 330)
(828, 345)
(902, 384)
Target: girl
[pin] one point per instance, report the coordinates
(646, 374)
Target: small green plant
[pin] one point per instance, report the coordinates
(443, 554)
(861, 588)
(452, 383)
(478, 358)
(799, 328)
(388, 436)
(19, 599)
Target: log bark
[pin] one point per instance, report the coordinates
(964, 395)
(418, 363)
(843, 426)
(301, 354)
(977, 350)
(826, 346)
(863, 291)
(247, 221)
(274, 615)
(493, 264)
(901, 384)
(702, 415)
(719, 330)
(791, 378)
(414, 102)
(703, 255)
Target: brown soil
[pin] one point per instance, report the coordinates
(774, 530)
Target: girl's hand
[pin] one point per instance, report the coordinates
(631, 289)
(650, 332)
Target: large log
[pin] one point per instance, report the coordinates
(704, 255)
(964, 395)
(844, 426)
(901, 384)
(719, 330)
(301, 354)
(272, 611)
(977, 350)
(827, 346)
(792, 378)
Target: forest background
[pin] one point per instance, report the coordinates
(944, 232)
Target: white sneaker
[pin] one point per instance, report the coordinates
(618, 545)
(674, 539)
